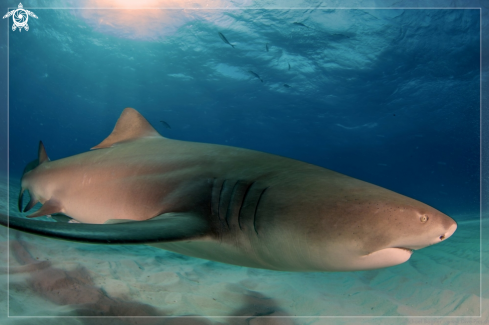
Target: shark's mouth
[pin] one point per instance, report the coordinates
(385, 257)
(410, 250)
(402, 250)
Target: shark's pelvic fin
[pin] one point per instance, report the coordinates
(130, 126)
(49, 207)
(42, 158)
(166, 228)
(19, 200)
(31, 203)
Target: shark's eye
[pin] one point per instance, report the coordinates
(423, 218)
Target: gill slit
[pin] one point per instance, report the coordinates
(212, 211)
(256, 209)
(242, 203)
(219, 201)
(231, 201)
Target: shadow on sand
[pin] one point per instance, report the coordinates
(76, 289)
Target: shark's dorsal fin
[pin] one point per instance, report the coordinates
(130, 126)
(43, 156)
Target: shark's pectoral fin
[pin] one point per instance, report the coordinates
(114, 221)
(165, 228)
(49, 207)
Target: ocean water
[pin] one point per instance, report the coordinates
(388, 96)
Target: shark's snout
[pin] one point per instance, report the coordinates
(451, 229)
(445, 228)
(448, 228)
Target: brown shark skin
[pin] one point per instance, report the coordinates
(305, 220)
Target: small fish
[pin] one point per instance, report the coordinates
(224, 39)
(166, 124)
(289, 65)
(286, 86)
(266, 46)
(299, 24)
(315, 8)
(256, 75)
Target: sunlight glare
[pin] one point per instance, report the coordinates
(143, 19)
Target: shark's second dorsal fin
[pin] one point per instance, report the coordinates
(42, 155)
(130, 126)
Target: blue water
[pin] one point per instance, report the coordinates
(387, 96)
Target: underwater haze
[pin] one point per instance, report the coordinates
(388, 96)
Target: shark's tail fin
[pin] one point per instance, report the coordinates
(42, 158)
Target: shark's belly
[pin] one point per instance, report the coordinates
(136, 198)
(216, 251)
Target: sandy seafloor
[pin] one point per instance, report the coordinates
(58, 278)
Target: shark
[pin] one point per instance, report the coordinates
(222, 203)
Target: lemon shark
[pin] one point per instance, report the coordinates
(223, 203)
